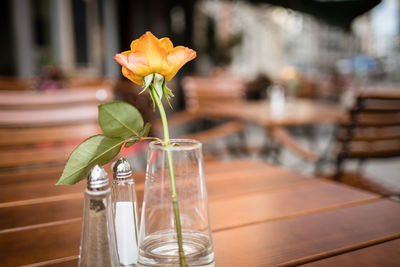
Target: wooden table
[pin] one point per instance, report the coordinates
(260, 216)
(296, 112)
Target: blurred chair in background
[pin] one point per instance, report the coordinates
(371, 131)
(200, 92)
(38, 130)
(16, 84)
(27, 100)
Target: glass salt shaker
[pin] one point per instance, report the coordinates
(98, 242)
(125, 212)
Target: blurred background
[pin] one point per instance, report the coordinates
(320, 50)
(351, 42)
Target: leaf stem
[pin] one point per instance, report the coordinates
(174, 196)
(150, 138)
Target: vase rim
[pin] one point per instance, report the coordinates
(184, 145)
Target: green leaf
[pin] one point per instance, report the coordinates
(98, 149)
(120, 119)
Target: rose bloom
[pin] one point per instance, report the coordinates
(149, 55)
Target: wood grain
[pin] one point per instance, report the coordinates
(260, 215)
(273, 205)
(43, 244)
(36, 189)
(24, 157)
(35, 99)
(31, 175)
(71, 261)
(234, 183)
(294, 240)
(245, 209)
(297, 112)
(34, 214)
(234, 176)
(59, 116)
(26, 136)
(306, 238)
(386, 254)
(38, 200)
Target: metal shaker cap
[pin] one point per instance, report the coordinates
(122, 170)
(97, 179)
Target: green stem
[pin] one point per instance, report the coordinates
(151, 138)
(172, 176)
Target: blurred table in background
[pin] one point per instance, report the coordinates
(260, 216)
(296, 112)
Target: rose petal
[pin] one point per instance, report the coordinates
(166, 44)
(177, 58)
(132, 76)
(150, 47)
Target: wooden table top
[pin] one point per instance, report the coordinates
(261, 215)
(296, 112)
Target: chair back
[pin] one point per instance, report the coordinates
(35, 100)
(373, 128)
(37, 133)
(202, 91)
(16, 84)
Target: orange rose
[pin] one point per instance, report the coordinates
(149, 55)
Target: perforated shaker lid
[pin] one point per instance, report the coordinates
(122, 169)
(97, 179)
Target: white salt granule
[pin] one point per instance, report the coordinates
(125, 230)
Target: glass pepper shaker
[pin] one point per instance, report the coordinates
(125, 212)
(98, 242)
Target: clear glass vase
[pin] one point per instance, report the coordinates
(158, 245)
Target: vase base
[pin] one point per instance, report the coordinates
(161, 248)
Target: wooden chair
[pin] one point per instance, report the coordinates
(39, 130)
(371, 131)
(198, 93)
(15, 84)
(40, 146)
(28, 100)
